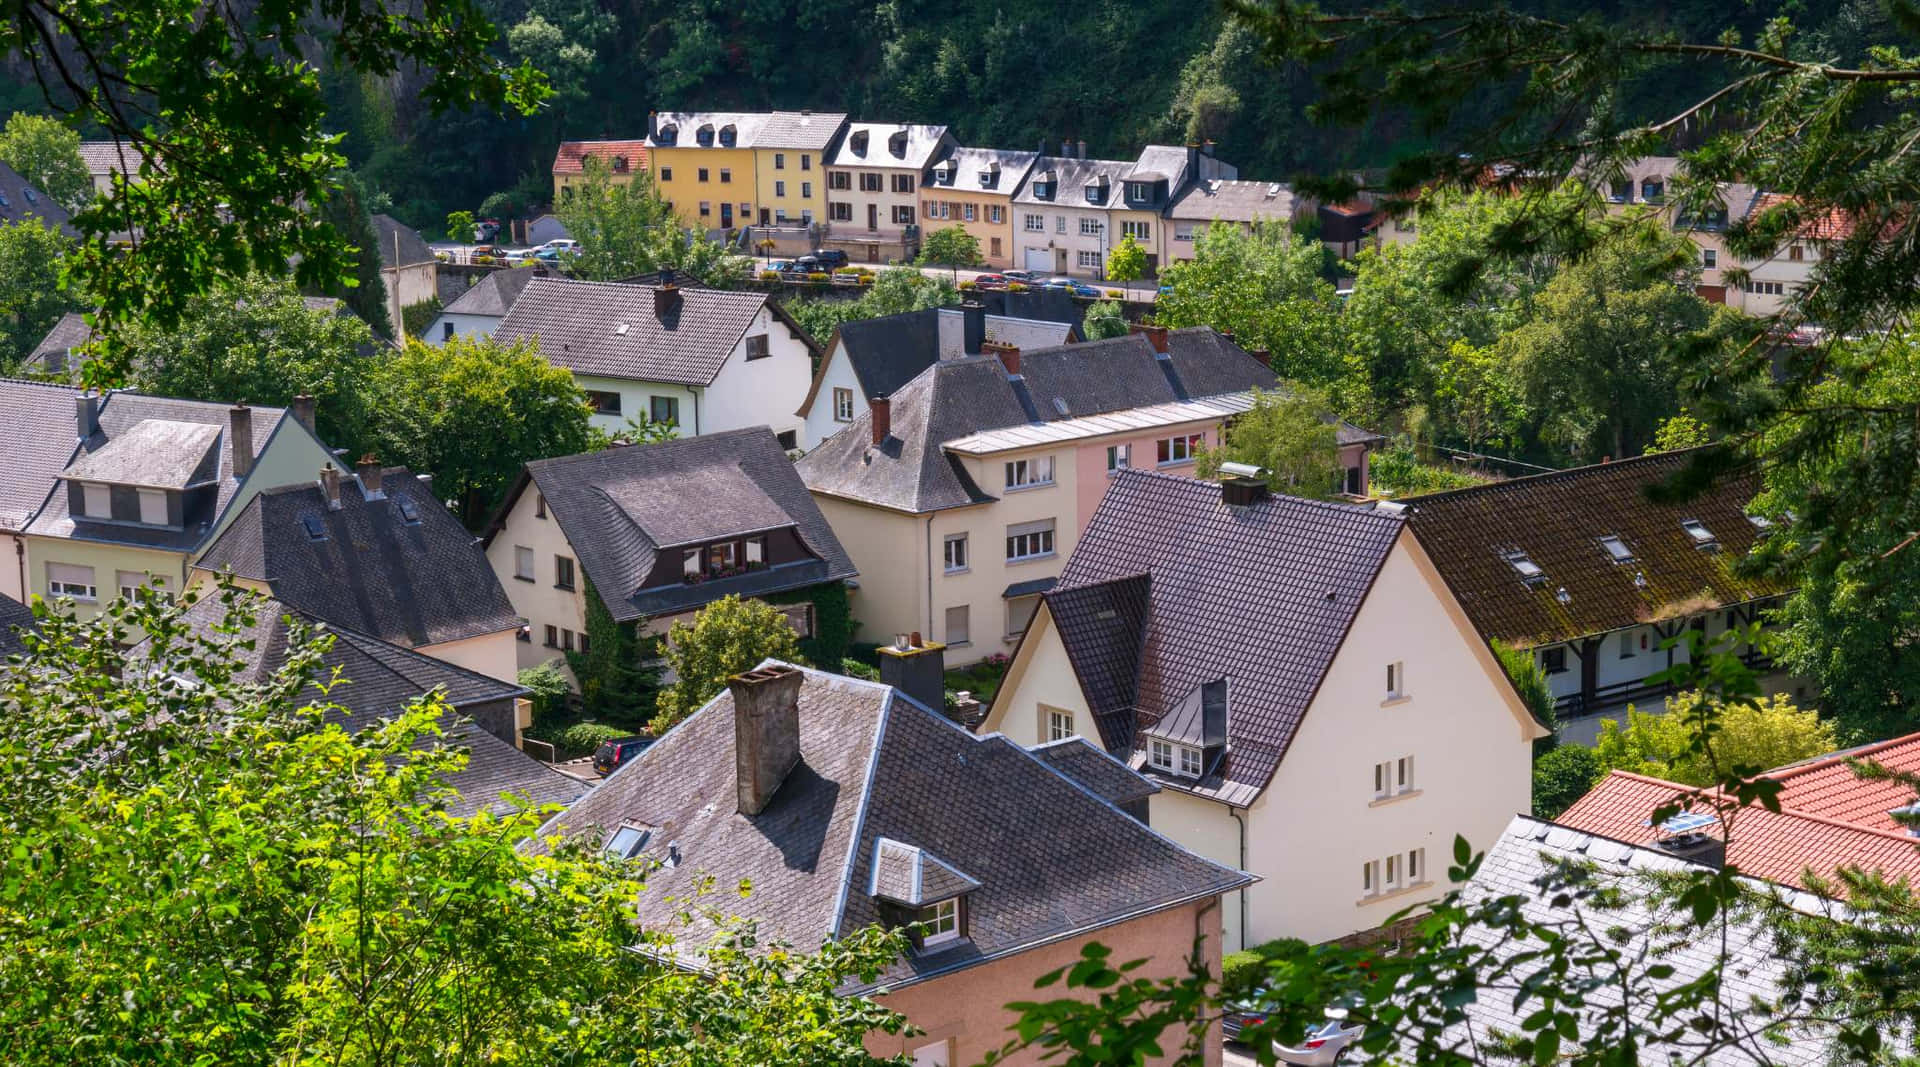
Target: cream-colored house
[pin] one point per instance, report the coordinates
(973, 189)
(1296, 677)
(961, 494)
(873, 188)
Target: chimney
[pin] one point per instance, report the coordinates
(368, 471)
(917, 668)
(86, 415)
(666, 300)
(240, 421)
(1155, 335)
(1193, 161)
(330, 486)
(1264, 355)
(1241, 491)
(880, 410)
(1080, 150)
(653, 125)
(973, 322)
(302, 410)
(1009, 355)
(766, 732)
(1206, 148)
(1043, 146)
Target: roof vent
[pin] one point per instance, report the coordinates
(408, 513)
(1562, 595)
(1060, 405)
(620, 330)
(316, 530)
(1241, 492)
(1640, 579)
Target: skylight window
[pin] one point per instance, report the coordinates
(1702, 537)
(1524, 566)
(1688, 821)
(1617, 549)
(627, 842)
(1760, 522)
(409, 513)
(316, 530)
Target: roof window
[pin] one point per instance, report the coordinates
(1760, 522)
(627, 842)
(1617, 549)
(408, 513)
(704, 135)
(1524, 566)
(1702, 537)
(316, 530)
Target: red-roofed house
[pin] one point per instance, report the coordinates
(1829, 818)
(624, 159)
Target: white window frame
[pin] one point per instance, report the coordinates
(1035, 224)
(1091, 227)
(1396, 680)
(1139, 231)
(1382, 781)
(1159, 754)
(954, 554)
(1031, 473)
(72, 580)
(1059, 224)
(1403, 780)
(1031, 540)
(1710, 259)
(1191, 763)
(130, 584)
(1056, 724)
(1416, 866)
(1179, 449)
(1370, 879)
(1087, 258)
(995, 213)
(1392, 871)
(842, 404)
(939, 922)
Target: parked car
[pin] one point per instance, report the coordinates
(1071, 286)
(483, 253)
(782, 266)
(611, 754)
(554, 249)
(830, 258)
(990, 281)
(1024, 277)
(809, 265)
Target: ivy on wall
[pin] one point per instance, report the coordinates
(615, 681)
(833, 625)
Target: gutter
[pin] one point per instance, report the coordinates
(1236, 813)
(929, 629)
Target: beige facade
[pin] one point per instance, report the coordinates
(525, 553)
(1363, 854)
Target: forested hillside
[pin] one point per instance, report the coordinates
(1111, 72)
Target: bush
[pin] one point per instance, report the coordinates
(578, 739)
(968, 286)
(1246, 969)
(854, 668)
(547, 688)
(1114, 294)
(769, 275)
(819, 277)
(1561, 777)
(1398, 471)
(1017, 287)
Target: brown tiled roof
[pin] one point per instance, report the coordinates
(1559, 520)
(572, 155)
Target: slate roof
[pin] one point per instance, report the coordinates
(152, 454)
(875, 765)
(577, 325)
(21, 200)
(1168, 588)
(571, 156)
(970, 170)
(1073, 175)
(411, 248)
(408, 583)
(687, 125)
(923, 147)
(957, 397)
(1093, 770)
(800, 130)
(494, 294)
(14, 617)
(51, 355)
(620, 506)
(121, 412)
(1233, 201)
(379, 681)
(103, 157)
(1550, 872)
(1558, 521)
(39, 442)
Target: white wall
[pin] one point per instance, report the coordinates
(636, 401)
(463, 326)
(538, 601)
(496, 655)
(820, 423)
(761, 392)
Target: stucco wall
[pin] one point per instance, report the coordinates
(495, 655)
(684, 190)
(795, 201)
(820, 423)
(106, 560)
(967, 1010)
(463, 326)
(761, 392)
(888, 548)
(538, 601)
(1072, 240)
(1090, 458)
(982, 228)
(636, 401)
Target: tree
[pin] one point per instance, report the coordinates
(358, 920)
(364, 288)
(1561, 777)
(257, 340)
(1679, 432)
(625, 229)
(1767, 733)
(1264, 287)
(460, 227)
(47, 153)
(471, 412)
(1104, 319)
(726, 637)
(951, 247)
(1126, 261)
(895, 290)
(32, 295)
(1530, 682)
(1291, 437)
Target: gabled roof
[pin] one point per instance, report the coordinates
(411, 582)
(680, 129)
(955, 398)
(400, 244)
(495, 294)
(1085, 763)
(21, 200)
(1233, 201)
(40, 440)
(1074, 175)
(15, 618)
(105, 157)
(52, 354)
(620, 507)
(983, 815)
(868, 145)
(611, 329)
(1168, 588)
(800, 130)
(981, 170)
(572, 156)
(1559, 522)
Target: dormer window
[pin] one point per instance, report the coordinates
(858, 142)
(704, 135)
(728, 136)
(669, 134)
(97, 500)
(627, 841)
(939, 923)
(990, 175)
(1184, 760)
(1653, 190)
(897, 144)
(1702, 537)
(1138, 192)
(1524, 566)
(1616, 549)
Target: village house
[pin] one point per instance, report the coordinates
(789, 156)
(1064, 214)
(973, 188)
(960, 495)
(655, 532)
(847, 804)
(702, 360)
(408, 268)
(373, 551)
(873, 188)
(1598, 582)
(477, 312)
(868, 358)
(620, 160)
(1159, 178)
(104, 159)
(1259, 657)
(112, 495)
(703, 166)
(1238, 203)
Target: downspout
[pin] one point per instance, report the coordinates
(1199, 957)
(696, 409)
(1235, 812)
(20, 553)
(929, 630)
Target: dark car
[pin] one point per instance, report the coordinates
(990, 281)
(611, 754)
(481, 253)
(830, 258)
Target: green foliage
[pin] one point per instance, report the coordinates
(1126, 260)
(47, 153)
(641, 430)
(1265, 288)
(618, 682)
(415, 318)
(1397, 471)
(1290, 436)
(471, 412)
(1679, 432)
(32, 294)
(547, 687)
(1757, 735)
(362, 286)
(833, 621)
(460, 227)
(574, 740)
(727, 637)
(1530, 681)
(893, 291)
(951, 247)
(1247, 968)
(854, 668)
(1104, 319)
(1561, 777)
(255, 339)
(625, 229)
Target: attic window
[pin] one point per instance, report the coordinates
(627, 842)
(1524, 566)
(28, 193)
(1060, 405)
(939, 923)
(316, 531)
(704, 134)
(729, 135)
(408, 513)
(1617, 549)
(1702, 537)
(1174, 759)
(1688, 822)
(1760, 522)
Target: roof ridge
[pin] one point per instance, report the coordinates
(1646, 459)
(1794, 770)
(1394, 519)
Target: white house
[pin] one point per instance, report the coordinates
(873, 187)
(1062, 216)
(478, 311)
(704, 360)
(1311, 699)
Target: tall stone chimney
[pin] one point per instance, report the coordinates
(1009, 355)
(86, 415)
(330, 486)
(302, 410)
(1155, 335)
(1080, 150)
(368, 471)
(880, 410)
(240, 435)
(973, 326)
(766, 732)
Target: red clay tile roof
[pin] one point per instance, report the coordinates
(1832, 225)
(572, 156)
(1828, 788)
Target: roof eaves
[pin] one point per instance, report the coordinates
(860, 813)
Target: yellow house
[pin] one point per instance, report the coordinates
(973, 188)
(704, 165)
(790, 156)
(623, 160)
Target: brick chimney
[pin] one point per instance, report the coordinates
(330, 486)
(880, 409)
(1155, 335)
(766, 732)
(302, 410)
(916, 668)
(368, 471)
(240, 435)
(86, 415)
(666, 299)
(1009, 355)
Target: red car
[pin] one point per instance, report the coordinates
(990, 281)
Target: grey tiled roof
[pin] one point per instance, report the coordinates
(578, 325)
(802, 131)
(873, 765)
(620, 506)
(972, 170)
(153, 454)
(52, 354)
(923, 147)
(400, 244)
(1260, 595)
(39, 442)
(104, 156)
(14, 617)
(957, 397)
(1073, 176)
(1101, 774)
(910, 875)
(1234, 201)
(21, 201)
(411, 584)
(493, 294)
(1553, 874)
